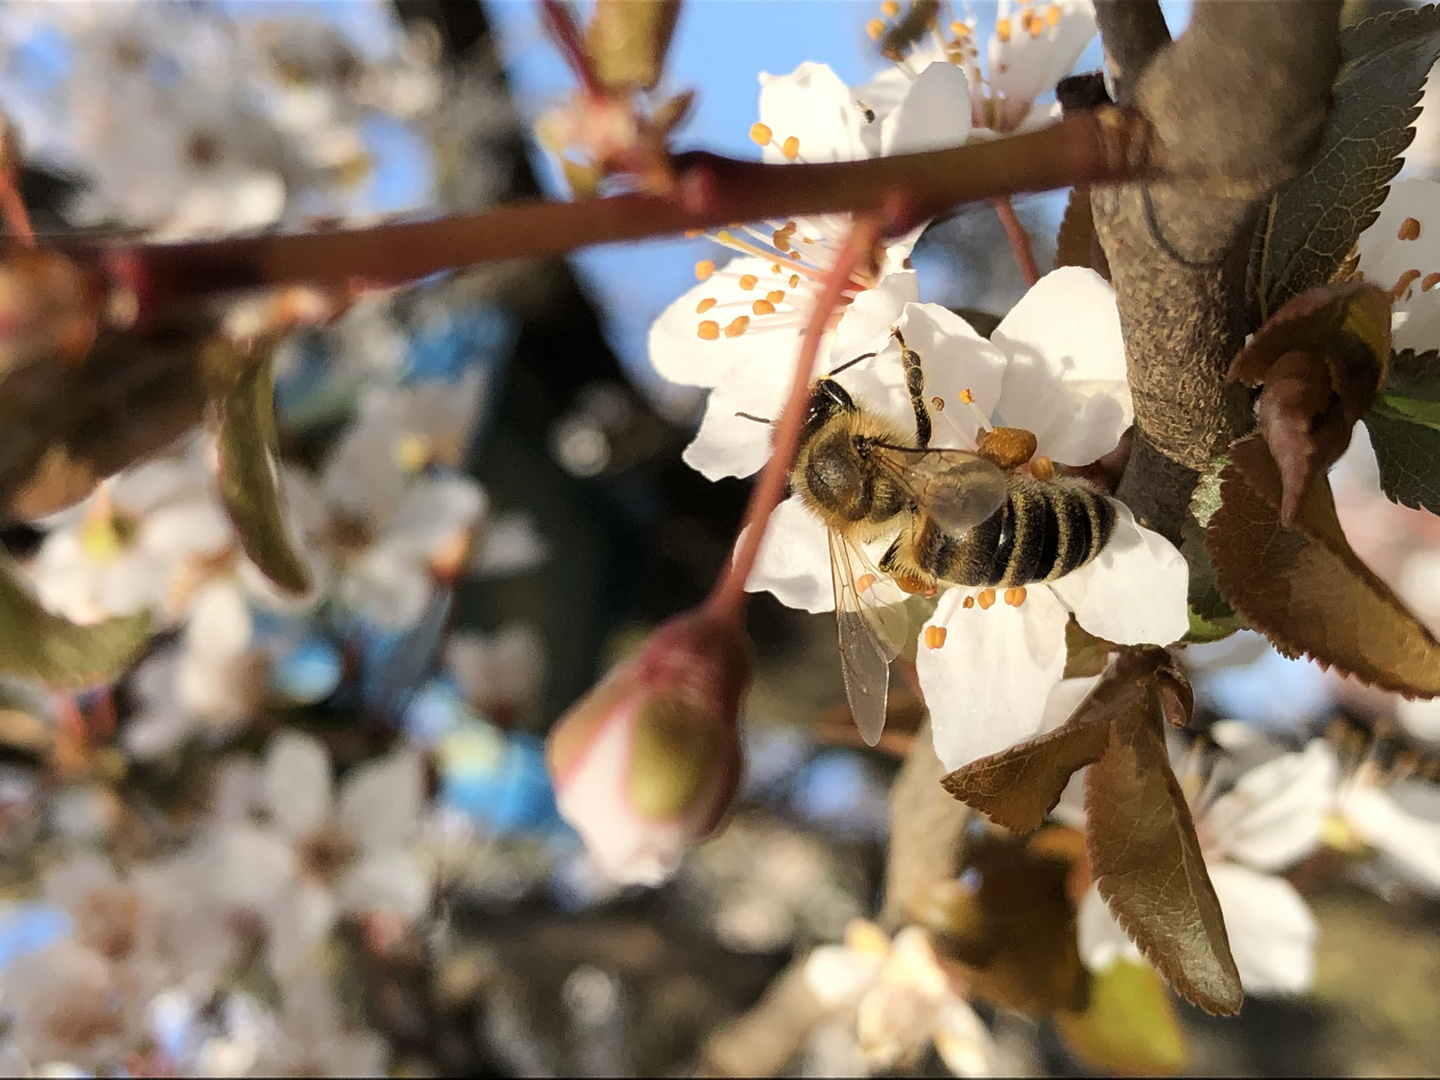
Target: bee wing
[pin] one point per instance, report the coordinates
(955, 488)
(869, 636)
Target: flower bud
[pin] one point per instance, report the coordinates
(648, 762)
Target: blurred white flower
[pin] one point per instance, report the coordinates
(134, 544)
(1396, 819)
(313, 1038)
(316, 856)
(1271, 818)
(903, 999)
(500, 673)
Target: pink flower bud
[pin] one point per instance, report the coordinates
(648, 762)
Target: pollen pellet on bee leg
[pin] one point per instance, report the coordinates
(864, 581)
(934, 637)
(1409, 229)
(968, 602)
(986, 599)
(1015, 597)
(709, 330)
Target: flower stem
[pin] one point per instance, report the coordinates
(1019, 239)
(727, 599)
(1106, 145)
(571, 42)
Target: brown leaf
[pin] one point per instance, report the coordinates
(1085, 654)
(1011, 940)
(627, 41)
(1147, 861)
(1321, 360)
(1304, 587)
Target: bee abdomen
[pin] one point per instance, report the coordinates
(1043, 532)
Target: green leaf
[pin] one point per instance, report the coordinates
(1211, 617)
(1312, 223)
(1404, 428)
(1147, 859)
(1129, 1026)
(250, 477)
(36, 644)
(1304, 587)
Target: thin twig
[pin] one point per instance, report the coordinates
(727, 598)
(1019, 240)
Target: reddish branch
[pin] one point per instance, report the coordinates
(1100, 147)
(1019, 240)
(727, 598)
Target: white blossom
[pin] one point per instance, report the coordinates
(1400, 251)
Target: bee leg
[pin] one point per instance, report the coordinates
(915, 386)
(891, 556)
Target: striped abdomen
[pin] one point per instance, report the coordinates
(1044, 531)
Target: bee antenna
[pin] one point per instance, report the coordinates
(852, 363)
(757, 419)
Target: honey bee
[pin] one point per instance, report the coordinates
(861, 475)
(968, 519)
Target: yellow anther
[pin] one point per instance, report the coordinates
(1052, 15)
(960, 29)
(803, 239)
(738, 327)
(776, 296)
(1037, 26)
(1002, 30)
(691, 234)
(774, 268)
(412, 453)
(760, 134)
(748, 281)
(1429, 281)
(1042, 468)
(937, 403)
(704, 268)
(1403, 285)
(968, 602)
(967, 397)
(790, 148)
(864, 581)
(794, 281)
(890, 8)
(709, 330)
(763, 307)
(934, 637)
(1015, 597)
(724, 237)
(1409, 229)
(986, 599)
(874, 28)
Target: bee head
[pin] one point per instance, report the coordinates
(826, 400)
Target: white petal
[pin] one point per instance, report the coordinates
(1272, 933)
(1066, 379)
(389, 881)
(246, 865)
(814, 106)
(186, 530)
(794, 560)
(1023, 67)
(839, 975)
(1134, 591)
(1101, 941)
(1274, 814)
(732, 445)
(381, 800)
(871, 315)
(220, 628)
(433, 511)
(297, 782)
(1420, 718)
(934, 114)
(1411, 843)
(962, 1039)
(988, 685)
(298, 922)
(512, 544)
(678, 352)
(1384, 257)
(387, 586)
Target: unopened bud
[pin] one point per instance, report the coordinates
(648, 762)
